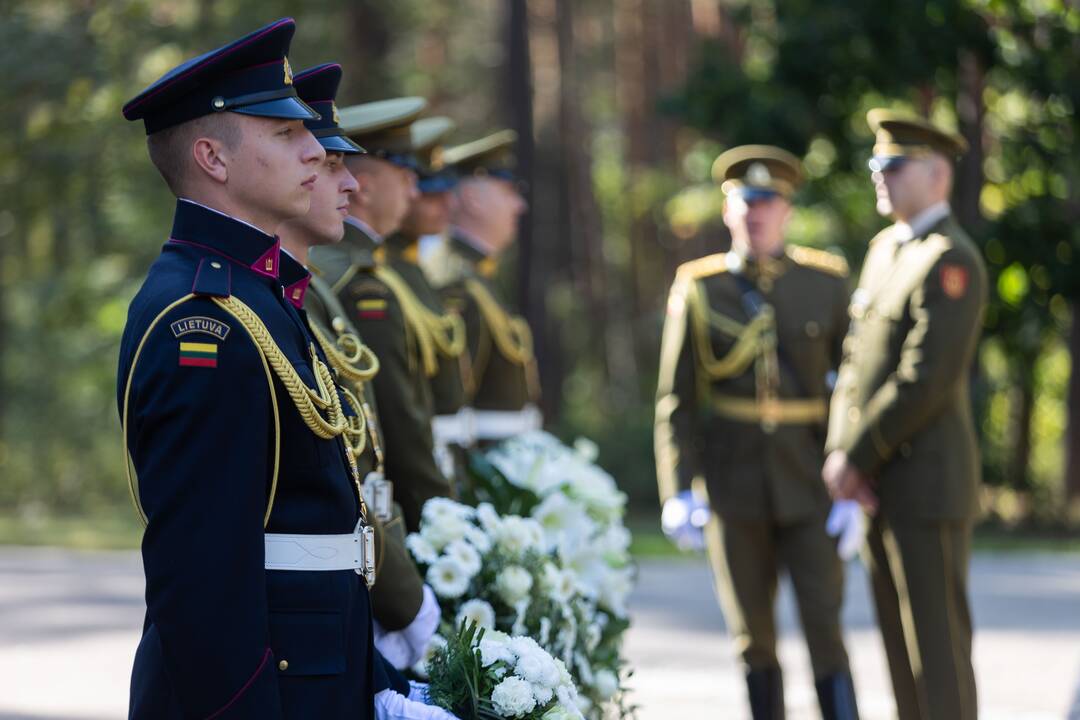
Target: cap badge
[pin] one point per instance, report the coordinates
(337, 118)
(288, 72)
(758, 175)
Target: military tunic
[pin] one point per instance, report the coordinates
(902, 412)
(222, 452)
(501, 368)
(398, 591)
(451, 424)
(403, 394)
(740, 415)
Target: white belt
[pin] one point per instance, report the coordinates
(355, 551)
(502, 424)
(456, 429)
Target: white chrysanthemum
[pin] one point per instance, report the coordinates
(513, 584)
(422, 550)
(476, 612)
(438, 509)
(559, 585)
(479, 539)
(448, 578)
(445, 531)
(466, 554)
(495, 647)
(606, 683)
(513, 698)
(515, 535)
(487, 517)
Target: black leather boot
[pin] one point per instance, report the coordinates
(766, 694)
(836, 695)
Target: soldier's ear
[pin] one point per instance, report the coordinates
(207, 155)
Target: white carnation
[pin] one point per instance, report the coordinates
(448, 578)
(495, 647)
(513, 698)
(513, 584)
(538, 668)
(422, 550)
(476, 612)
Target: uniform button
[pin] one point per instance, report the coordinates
(853, 414)
(812, 329)
(283, 665)
(216, 265)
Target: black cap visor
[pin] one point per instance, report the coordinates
(287, 108)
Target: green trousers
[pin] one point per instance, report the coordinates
(918, 572)
(747, 556)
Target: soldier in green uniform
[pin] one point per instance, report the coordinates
(501, 368)
(901, 431)
(442, 334)
(405, 611)
(354, 269)
(749, 340)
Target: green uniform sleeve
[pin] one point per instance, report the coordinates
(676, 432)
(946, 310)
(405, 409)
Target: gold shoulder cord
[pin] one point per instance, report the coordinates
(749, 337)
(511, 334)
(308, 402)
(133, 487)
(434, 333)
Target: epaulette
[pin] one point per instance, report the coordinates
(703, 267)
(213, 278)
(819, 260)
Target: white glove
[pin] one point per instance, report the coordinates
(846, 522)
(404, 648)
(682, 520)
(418, 692)
(391, 705)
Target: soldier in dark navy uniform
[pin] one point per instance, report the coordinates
(400, 600)
(257, 548)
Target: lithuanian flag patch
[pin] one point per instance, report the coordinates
(371, 308)
(196, 354)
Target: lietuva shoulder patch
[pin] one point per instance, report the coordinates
(703, 267)
(819, 260)
(213, 278)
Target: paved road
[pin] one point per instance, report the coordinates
(69, 623)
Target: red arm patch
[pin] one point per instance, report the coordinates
(954, 280)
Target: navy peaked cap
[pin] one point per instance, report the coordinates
(249, 76)
(318, 87)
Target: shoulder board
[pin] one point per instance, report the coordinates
(703, 267)
(213, 278)
(818, 260)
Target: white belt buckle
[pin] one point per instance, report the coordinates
(379, 495)
(364, 546)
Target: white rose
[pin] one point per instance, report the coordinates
(513, 584)
(466, 554)
(422, 550)
(448, 578)
(513, 698)
(606, 683)
(476, 612)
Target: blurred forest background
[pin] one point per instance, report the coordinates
(623, 104)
